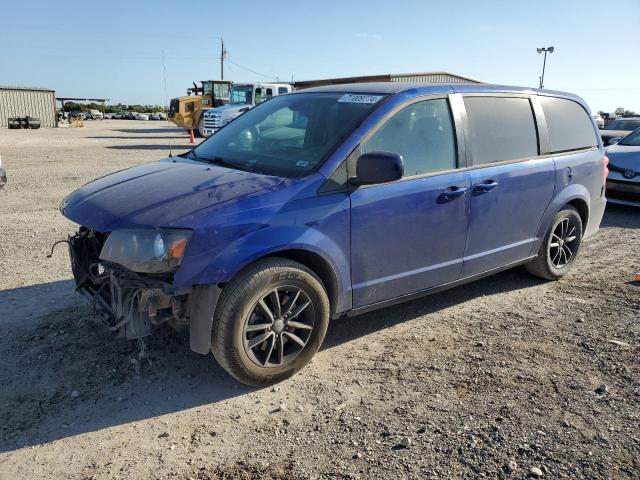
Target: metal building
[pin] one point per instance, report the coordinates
(425, 77)
(28, 101)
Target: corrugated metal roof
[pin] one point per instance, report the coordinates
(423, 77)
(37, 89)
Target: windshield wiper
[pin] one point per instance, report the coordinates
(224, 163)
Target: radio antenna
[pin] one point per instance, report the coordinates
(166, 100)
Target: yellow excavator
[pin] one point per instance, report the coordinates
(186, 112)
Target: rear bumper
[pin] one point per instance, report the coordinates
(596, 212)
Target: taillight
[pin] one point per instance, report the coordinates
(605, 169)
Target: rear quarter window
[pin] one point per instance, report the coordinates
(501, 128)
(570, 126)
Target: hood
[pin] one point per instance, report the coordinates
(158, 193)
(624, 156)
(228, 109)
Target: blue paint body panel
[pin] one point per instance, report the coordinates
(380, 242)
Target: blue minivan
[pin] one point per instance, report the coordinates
(334, 201)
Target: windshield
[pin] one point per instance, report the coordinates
(242, 94)
(289, 135)
(632, 140)
(623, 125)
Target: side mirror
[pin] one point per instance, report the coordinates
(614, 140)
(378, 167)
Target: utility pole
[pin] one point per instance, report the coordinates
(224, 54)
(544, 62)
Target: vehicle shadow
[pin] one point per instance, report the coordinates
(622, 216)
(346, 329)
(64, 373)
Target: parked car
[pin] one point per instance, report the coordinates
(3, 175)
(616, 129)
(142, 116)
(623, 182)
(334, 201)
(94, 115)
(131, 115)
(598, 119)
(77, 114)
(157, 116)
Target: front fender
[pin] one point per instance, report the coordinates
(319, 225)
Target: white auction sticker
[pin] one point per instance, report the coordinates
(353, 98)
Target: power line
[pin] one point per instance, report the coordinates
(247, 68)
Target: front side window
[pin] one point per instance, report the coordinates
(287, 136)
(569, 125)
(501, 129)
(422, 133)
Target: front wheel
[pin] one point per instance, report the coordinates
(270, 321)
(199, 132)
(559, 247)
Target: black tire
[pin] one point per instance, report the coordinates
(560, 246)
(239, 308)
(199, 130)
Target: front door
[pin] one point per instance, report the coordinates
(409, 235)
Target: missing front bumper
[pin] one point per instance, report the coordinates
(131, 304)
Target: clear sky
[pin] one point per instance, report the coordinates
(113, 48)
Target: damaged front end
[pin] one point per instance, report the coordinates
(130, 302)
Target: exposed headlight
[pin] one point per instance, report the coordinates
(146, 251)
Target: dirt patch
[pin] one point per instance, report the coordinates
(491, 379)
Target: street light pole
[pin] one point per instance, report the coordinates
(544, 62)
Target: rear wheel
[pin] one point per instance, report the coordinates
(270, 321)
(559, 247)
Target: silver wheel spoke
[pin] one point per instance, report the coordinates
(291, 303)
(570, 239)
(280, 350)
(295, 338)
(275, 302)
(257, 327)
(300, 325)
(257, 340)
(273, 344)
(265, 310)
(300, 308)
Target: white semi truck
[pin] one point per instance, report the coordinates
(243, 96)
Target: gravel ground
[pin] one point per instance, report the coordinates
(509, 377)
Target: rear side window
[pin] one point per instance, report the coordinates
(569, 125)
(282, 90)
(501, 128)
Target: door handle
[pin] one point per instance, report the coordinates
(453, 192)
(485, 187)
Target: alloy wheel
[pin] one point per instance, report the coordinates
(279, 326)
(563, 243)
